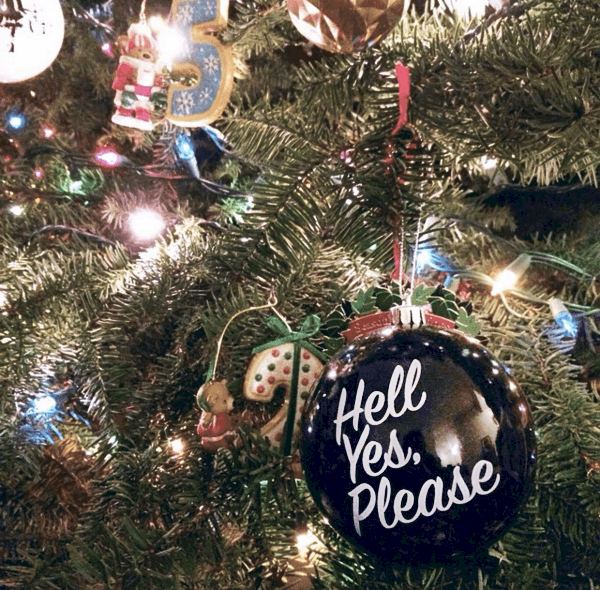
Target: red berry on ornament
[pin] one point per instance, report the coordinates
(269, 378)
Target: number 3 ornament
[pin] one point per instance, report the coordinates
(138, 83)
(416, 443)
(207, 57)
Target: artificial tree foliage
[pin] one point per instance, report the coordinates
(304, 202)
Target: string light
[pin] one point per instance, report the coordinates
(473, 8)
(17, 210)
(511, 274)
(44, 405)
(424, 258)
(425, 244)
(48, 132)
(488, 164)
(177, 446)
(490, 167)
(156, 23)
(108, 157)
(184, 146)
(305, 540)
(146, 224)
(38, 173)
(170, 44)
(107, 49)
(563, 317)
(15, 122)
(452, 283)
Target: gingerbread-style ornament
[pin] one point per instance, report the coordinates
(272, 368)
(271, 371)
(284, 369)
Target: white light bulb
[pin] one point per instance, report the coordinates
(177, 446)
(505, 280)
(146, 224)
(47, 131)
(488, 164)
(44, 405)
(171, 44)
(508, 278)
(30, 39)
(304, 541)
(16, 210)
(108, 157)
(156, 23)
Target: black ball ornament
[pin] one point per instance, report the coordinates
(417, 445)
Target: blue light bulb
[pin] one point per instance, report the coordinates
(15, 122)
(184, 146)
(424, 258)
(567, 322)
(44, 405)
(563, 318)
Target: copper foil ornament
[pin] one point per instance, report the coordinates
(345, 26)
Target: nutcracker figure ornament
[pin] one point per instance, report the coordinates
(138, 81)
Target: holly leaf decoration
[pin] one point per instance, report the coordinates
(444, 303)
(444, 307)
(384, 299)
(421, 295)
(365, 302)
(334, 323)
(467, 323)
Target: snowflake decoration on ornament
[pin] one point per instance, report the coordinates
(204, 95)
(185, 14)
(211, 64)
(185, 102)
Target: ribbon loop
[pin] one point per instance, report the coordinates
(403, 77)
(309, 328)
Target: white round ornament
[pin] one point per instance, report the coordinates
(31, 35)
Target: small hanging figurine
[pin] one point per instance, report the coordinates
(276, 387)
(216, 427)
(138, 82)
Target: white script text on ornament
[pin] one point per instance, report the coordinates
(431, 497)
(427, 504)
